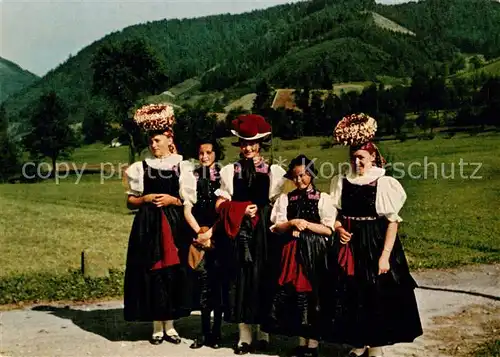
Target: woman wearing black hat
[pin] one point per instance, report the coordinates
(157, 287)
(305, 218)
(247, 189)
(197, 188)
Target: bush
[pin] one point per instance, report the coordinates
(426, 136)
(49, 287)
(291, 147)
(402, 137)
(326, 144)
(449, 134)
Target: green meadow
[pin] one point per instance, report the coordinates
(450, 218)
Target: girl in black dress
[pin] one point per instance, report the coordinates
(197, 188)
(305, 219)
(374, 299)
(247, 189)
(157, 286)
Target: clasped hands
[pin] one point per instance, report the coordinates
(203, 239)
(298, 226)
(160, 200)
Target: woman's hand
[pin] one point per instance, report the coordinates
(345, 236)
(300, 224)
(164, 200)
(383, 264)
(203, 238)
(295, 234)
(251, 211)
(148, 198)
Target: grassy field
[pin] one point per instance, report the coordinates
(492, 68)
(448, 221)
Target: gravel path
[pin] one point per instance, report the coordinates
(459, 309)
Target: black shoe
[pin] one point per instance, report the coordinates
(172, 339)
(200, 342)
(311, 352)
(262, 345)
(156, 340)
(298, 351)
(243, 349)
(364, 354)
(215, 341)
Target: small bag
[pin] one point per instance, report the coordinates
(197, 251)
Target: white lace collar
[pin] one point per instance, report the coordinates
(164, 163)
(371, 175)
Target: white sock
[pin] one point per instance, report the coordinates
(359, 351)
(313, 343)
(245, 334)
(157, 328)
(169, 328)
(261, 335)
(302, 341)
(375, 352)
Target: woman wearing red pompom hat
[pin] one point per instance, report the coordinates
(248, 187)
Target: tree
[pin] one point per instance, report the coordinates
(458, 63)
(262, 100)
(489, 98)
(426, 121)
(97, 120)
(123, 73)
(50, 136)
(303, 97)
(476, 62)
(316, 115)
(9, 154)
(192, 125)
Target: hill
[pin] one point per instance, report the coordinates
(492, 68)
(317, 42)
(13, 78)
(470, 25)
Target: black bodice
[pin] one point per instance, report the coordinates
(204, 209)
(358, 200)
(257, 192)
(161, 181)
(304, 204)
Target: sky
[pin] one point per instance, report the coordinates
(40, 34)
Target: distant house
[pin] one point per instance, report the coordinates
(284, 98)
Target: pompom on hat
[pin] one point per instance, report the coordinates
(251, 127)
(155, 117)
(355, 130)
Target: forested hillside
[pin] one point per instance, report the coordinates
(314, 43)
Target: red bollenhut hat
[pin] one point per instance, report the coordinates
(251, 127)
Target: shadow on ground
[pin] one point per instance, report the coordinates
(109, 324)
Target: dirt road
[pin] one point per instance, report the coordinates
(459, 308)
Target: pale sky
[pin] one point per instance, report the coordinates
(40, 34)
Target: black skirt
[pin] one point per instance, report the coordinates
(208, 283)
(298, 313)
(367, 308)
(248, 273)
(163, 294)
